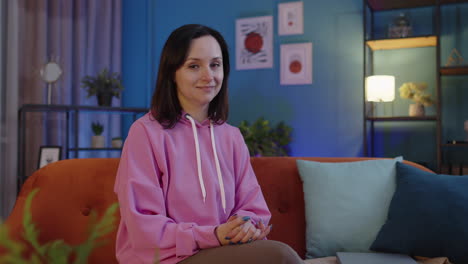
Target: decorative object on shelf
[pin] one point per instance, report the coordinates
(48, 154)
(263, 140)
(379, 88)
(416, 110)
(296, 64)
(97, 141)
(254, 43)
(116, 142)
(400, 28)
(56, 251)
(291, 18)
(455, 58)
(105, 85)
(466, 130)
(50, 73)
(415, 92)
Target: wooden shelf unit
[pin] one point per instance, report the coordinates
(379, 5)
(403, 118)
(402, 43)
(454, 70)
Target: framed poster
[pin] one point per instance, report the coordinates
(296, 63)
(254, 43)
(48, 154)
(290, 18)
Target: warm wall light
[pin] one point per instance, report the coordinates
(380, 88)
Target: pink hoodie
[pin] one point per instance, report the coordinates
(170, 201)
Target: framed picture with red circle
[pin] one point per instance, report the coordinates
(296, 64)
(254, 43)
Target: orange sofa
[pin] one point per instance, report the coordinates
(71, 189)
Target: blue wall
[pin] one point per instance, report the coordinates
(326, 116)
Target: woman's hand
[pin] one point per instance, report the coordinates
(234, 223)
(248, 232)
(265, 230)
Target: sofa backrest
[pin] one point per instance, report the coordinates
(71, 189)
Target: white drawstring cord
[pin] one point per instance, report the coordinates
(197, 149)
(218, 168)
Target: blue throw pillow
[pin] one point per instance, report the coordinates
(428, 216)
(346, 203)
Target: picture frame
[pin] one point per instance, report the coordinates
(48, 154)
(291, 18)
(296, 64)
(254, 43)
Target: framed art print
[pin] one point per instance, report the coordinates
(290, 18)
(48, 154)
(296, 63)
(254, 43)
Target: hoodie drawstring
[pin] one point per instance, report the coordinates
(218, 168)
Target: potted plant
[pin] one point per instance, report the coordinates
(105, 85)
(264, 140)
(116, 142)
(57, 251)
(416, 92)
(97, 141)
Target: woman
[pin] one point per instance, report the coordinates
(185, 184)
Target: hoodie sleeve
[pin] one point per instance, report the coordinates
(249, 197)
(140, 190)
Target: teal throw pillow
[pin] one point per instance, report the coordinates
(346, 203)
(428, 216)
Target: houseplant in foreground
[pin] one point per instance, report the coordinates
(264, 140)
(105, 85)
(57, 251)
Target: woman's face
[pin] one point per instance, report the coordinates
(200, 78)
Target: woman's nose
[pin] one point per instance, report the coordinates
(207, 74)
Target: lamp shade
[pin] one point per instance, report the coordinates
(380, 88)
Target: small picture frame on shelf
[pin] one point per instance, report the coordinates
(48, 154)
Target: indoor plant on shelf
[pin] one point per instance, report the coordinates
(416, 92)
(97, 141)
(264, 140)
(105, 86)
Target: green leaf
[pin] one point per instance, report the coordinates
(263, 140)
(100, 229)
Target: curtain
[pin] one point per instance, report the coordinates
(83, 37)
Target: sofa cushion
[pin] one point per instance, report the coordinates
(428, 216)
(346, 203)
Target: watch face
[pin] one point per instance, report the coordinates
(51, 72)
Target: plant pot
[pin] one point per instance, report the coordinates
(116, 143)
(97, 142)
(416, 110)
(104, 99)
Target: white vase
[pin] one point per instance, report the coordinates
(97, 142)
(416, 110)
(116, 143)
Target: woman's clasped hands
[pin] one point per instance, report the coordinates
(240, 230)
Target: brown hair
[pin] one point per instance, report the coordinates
(165, 105)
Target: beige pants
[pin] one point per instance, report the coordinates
(257, 252)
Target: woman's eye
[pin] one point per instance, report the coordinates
(216, 64)
(193, 66)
